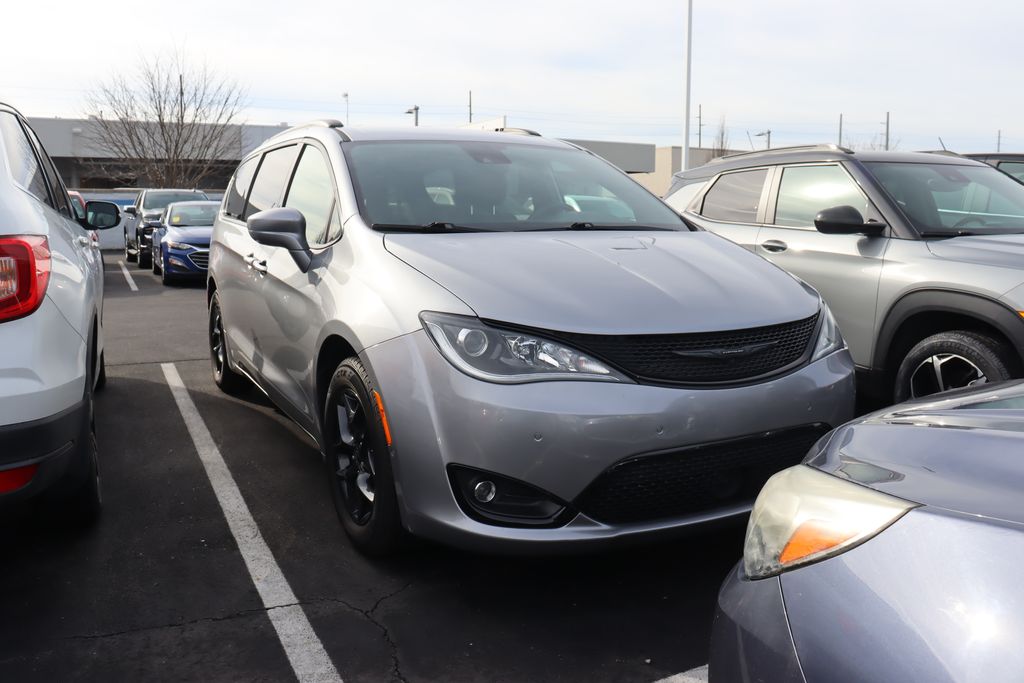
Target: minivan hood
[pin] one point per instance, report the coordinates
(608, 282)
(1006, 251)
(961, 451)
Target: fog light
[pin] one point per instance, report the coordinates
(177, 262)
(485, 491)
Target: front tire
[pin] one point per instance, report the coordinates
(145, 257)
(357, 462)
(128, 255)
(227, 380)
(157, 263)
(953, 360)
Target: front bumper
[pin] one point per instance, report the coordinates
(190, 262)
(560, 436)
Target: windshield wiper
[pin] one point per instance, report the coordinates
(433, 227)
(591, 226)
(947, 233)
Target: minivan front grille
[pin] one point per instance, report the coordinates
(703, 358)
(695, 479)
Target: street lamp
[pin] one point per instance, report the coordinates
(415, 111)
(686, 117)
(345, 95)
(765, 133)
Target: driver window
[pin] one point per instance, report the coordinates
(807, 190)
(312, 193)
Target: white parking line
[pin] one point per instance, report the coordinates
(306, 653)
(698, 675)
(128, 277)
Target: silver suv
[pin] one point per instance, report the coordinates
(51, 333)
(498, 339)
(919, 255)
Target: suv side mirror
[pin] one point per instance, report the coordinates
(282, 227)
(131, 210)
(846, 220)
(101, 215)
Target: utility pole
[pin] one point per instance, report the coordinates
(686, 114)
(886, 131)
(999, 141)
(840, 130)
(766, 133)
(415, 111)
(700, 125)
(471, 106)
(345, 95)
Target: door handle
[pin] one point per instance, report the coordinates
(774, 246)
(254, 263)
(84, 241)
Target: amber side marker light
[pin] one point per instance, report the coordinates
(383, 417)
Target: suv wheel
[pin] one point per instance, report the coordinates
(144, 257)
(157, 262)
(82, 506)
(128, 255)
(227, 380)
(952, 360)
(358, 463)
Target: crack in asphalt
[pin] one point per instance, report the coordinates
(180, 624)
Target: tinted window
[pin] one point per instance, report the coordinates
(25, 167)
(735, 197)
(271, 178)
(1014, 168)
(234, 202)
(57, 191)
(497, 186)
(312, 193)
(191, 214)
(160, 199)
(806, 190)
(683, 195)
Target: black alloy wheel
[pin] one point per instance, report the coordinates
(226, 379)
(358, 462)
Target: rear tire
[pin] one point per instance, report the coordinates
(82, 506)
(145, 258)
(128, 255)
(227, 380)
(357, 462)
(101, 374)
(952, 360)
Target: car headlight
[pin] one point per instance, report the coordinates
(804, 515)
(181, 246)
(507, 356)
(829, 337)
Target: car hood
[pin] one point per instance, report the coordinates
(608, 282)
(1006, 251)
(961, 451)
(196, 235)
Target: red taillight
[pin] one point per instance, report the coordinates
(24, 274)
(12, 480)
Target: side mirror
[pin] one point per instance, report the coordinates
(282, 227)
(846, 220)
(131, 210)
(101, 215)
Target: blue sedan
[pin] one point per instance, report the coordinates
(182, 242)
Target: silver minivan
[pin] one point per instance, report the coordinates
(500, 340)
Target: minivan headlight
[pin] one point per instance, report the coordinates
(829, 338)
(507, 356)
(804, 515)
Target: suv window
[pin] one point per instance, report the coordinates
(1014, 168)
(24, 165)
(735, 197)
(234, 203)
(270, 180)
(312, 193)
(807, 190)
(684, 194)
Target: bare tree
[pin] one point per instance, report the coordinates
(721, 143)
(168, 124)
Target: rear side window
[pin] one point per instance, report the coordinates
(735, 197)
(24, 165)
(807, 190)
(234, 200)
(312, 194)
(684, 194)
(270, 180)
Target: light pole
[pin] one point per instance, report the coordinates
(686, 115)
(345, 95)
(765, 133)
(415, 111)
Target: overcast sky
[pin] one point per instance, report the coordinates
(569, 68)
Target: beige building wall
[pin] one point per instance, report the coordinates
(669, 160)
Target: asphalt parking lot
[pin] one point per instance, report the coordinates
(159, 588)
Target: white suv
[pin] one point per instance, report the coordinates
(51, 338)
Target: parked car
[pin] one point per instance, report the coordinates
(919, 255)
(892, 554)
(142, 217)
(51, 330)
(484, 364)
(1011, 164)
(181, 245)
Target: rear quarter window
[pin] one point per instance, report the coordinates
(735, 197)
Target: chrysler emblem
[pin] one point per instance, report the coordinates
(736, 352)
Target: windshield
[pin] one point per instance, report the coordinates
(160, 200)
(497, 186)
(184, 215)
(945, 198)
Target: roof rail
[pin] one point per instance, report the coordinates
(830, 147)
(943, 152)
(326, 123)
(518, 131)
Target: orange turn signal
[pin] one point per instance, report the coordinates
(383, 417)
(811, 538)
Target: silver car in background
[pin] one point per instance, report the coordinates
(502, 341)
(51, 333)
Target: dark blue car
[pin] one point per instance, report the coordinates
(181, 244)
